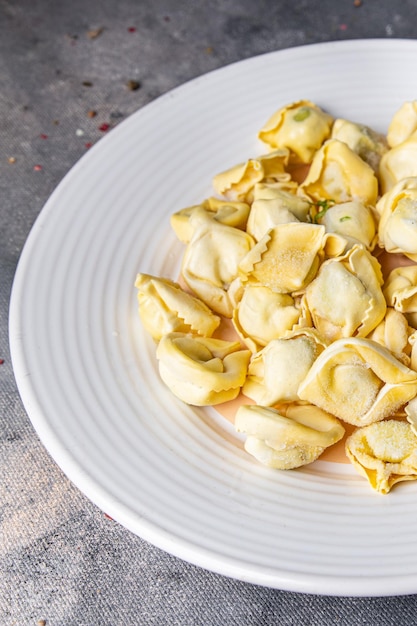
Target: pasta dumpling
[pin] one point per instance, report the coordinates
(412, 340)
(211, 261)
(346, 298)
(384, 453)
(273, 205)
(301, 127)
(397, 231)
(237, 183)
(411, 414)
(393, 333)
(275, 373)
(358, 381)
(403, 123)
(202, 371)
(363, 140)
(352, 220)
(398, 163)
(286, 259)
(263, 314)
(224, 211)
(400, 291)
(164, 308)
(290, 437)
(337, 173)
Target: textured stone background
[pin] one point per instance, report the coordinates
(62, 562)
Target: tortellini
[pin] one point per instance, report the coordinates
(400, 291)
(286, 259)
(403, 124)
(384, 453)
(394, 333)
(412, 340)
(296, 300)
(301, 127)
(224, 211)
(289, 437)
(164, 308)
(337, 173)
(358, 381)
(273, 205)
(367, 143)
(411, 414)
(211, 261)
(400, 288)
(202, 371)
(397, 230)
(398, 163)
(275, 373)
(346, 299)
(352, 220)
(263, 314)
(237, 183)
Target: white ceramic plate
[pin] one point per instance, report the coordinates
(175, 475)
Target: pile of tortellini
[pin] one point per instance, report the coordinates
(308, 253)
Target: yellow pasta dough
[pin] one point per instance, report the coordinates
(211, 260)
(400, 288)
(410, 410)
(286, 259)
(300, 127)
(202, 371)
(394, 333)
(224, 211)
(164, 308)
(346, 299)
(358, 381)
(276, 371)
(337, 173)
(397, 230)
(363, 140)
(273, 205)
(384, 453)
(287, 438)
(352, 220)
(263, 314)
(403, 123)
(237, 183)
(398, 163)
